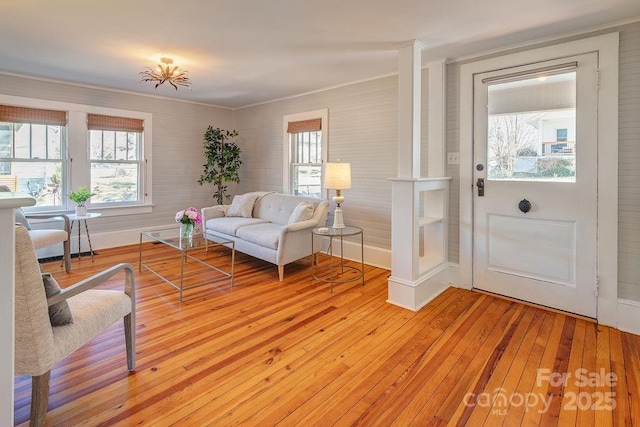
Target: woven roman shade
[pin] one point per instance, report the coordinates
(100, 122)
(311, 125)
(12, 114)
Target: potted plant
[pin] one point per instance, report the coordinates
(80, 196)
(223, 161)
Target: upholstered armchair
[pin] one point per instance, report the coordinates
(47, 237)
(39, 345)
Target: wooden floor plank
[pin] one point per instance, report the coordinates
(265, 352)
(622, 414)
(529, 379)
(631, 348)
(541, 388)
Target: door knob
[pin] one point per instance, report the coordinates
(524, 205)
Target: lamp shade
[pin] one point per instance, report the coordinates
(337, 176)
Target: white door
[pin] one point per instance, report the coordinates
(535, 176)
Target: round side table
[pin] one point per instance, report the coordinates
(79, 219)
(335, 270)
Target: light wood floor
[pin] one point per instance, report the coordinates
(268, 353)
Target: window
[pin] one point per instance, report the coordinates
(305, 143)
(527, 134)
(51, 148)
(33, 152)
(115, 145)
(561, 135)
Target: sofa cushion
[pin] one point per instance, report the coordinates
(230, 225)
(242, 205)
(302, 212)
(266, 234)
(277, 207)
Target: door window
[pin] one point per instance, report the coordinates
(531, 129)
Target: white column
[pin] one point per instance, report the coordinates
(409, 81)
(436, 160)
(419, 205)
(8, 201)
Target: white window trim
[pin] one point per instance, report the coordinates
(286, 143)
(77, 131)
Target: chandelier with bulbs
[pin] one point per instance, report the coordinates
(166, 73)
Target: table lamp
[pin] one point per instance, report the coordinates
(337, 176)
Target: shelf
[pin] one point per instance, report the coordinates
(429, 220)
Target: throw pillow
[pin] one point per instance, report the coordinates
(242, 205)
(59, 313)
(302, 212)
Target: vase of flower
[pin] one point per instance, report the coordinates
(188, 219)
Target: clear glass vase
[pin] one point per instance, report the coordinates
(186, 233)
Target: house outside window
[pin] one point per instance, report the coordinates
(561, 135)
(33, 155)
(305, 142)
(115, 159)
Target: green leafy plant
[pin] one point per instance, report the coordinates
(81, 195)
(223, 161)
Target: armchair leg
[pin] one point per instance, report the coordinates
(39, 398)
(67, 254)
(281, 272)
(130, 341)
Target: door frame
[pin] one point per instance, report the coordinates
(607, 211)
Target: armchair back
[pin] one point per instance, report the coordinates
(34, 353)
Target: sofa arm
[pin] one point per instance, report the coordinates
(297, 226)
(213, 212)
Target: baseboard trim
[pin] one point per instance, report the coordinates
(374, 256)
(415, 295)
(629, 316)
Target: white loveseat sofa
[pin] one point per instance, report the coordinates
(271, 226)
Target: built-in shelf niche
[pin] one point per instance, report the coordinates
(431, 228)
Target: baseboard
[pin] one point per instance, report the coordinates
(629, 316)
(415, 295)
(374, 256)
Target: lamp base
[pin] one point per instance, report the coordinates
(337, 218)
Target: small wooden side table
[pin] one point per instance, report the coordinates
(79, 218)
(339, 268)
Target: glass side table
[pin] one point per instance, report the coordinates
(333, 272)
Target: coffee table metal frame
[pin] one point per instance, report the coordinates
(185, 246)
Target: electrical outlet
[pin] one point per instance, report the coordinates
(453, 158)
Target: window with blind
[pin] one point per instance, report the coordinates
(115, 159)
(33, 152)
(307, 151)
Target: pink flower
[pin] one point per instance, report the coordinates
(189, 216)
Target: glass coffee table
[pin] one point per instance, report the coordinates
(170, 236)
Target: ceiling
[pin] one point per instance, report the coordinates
(243, 52)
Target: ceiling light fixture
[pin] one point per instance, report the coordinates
(166, 73)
